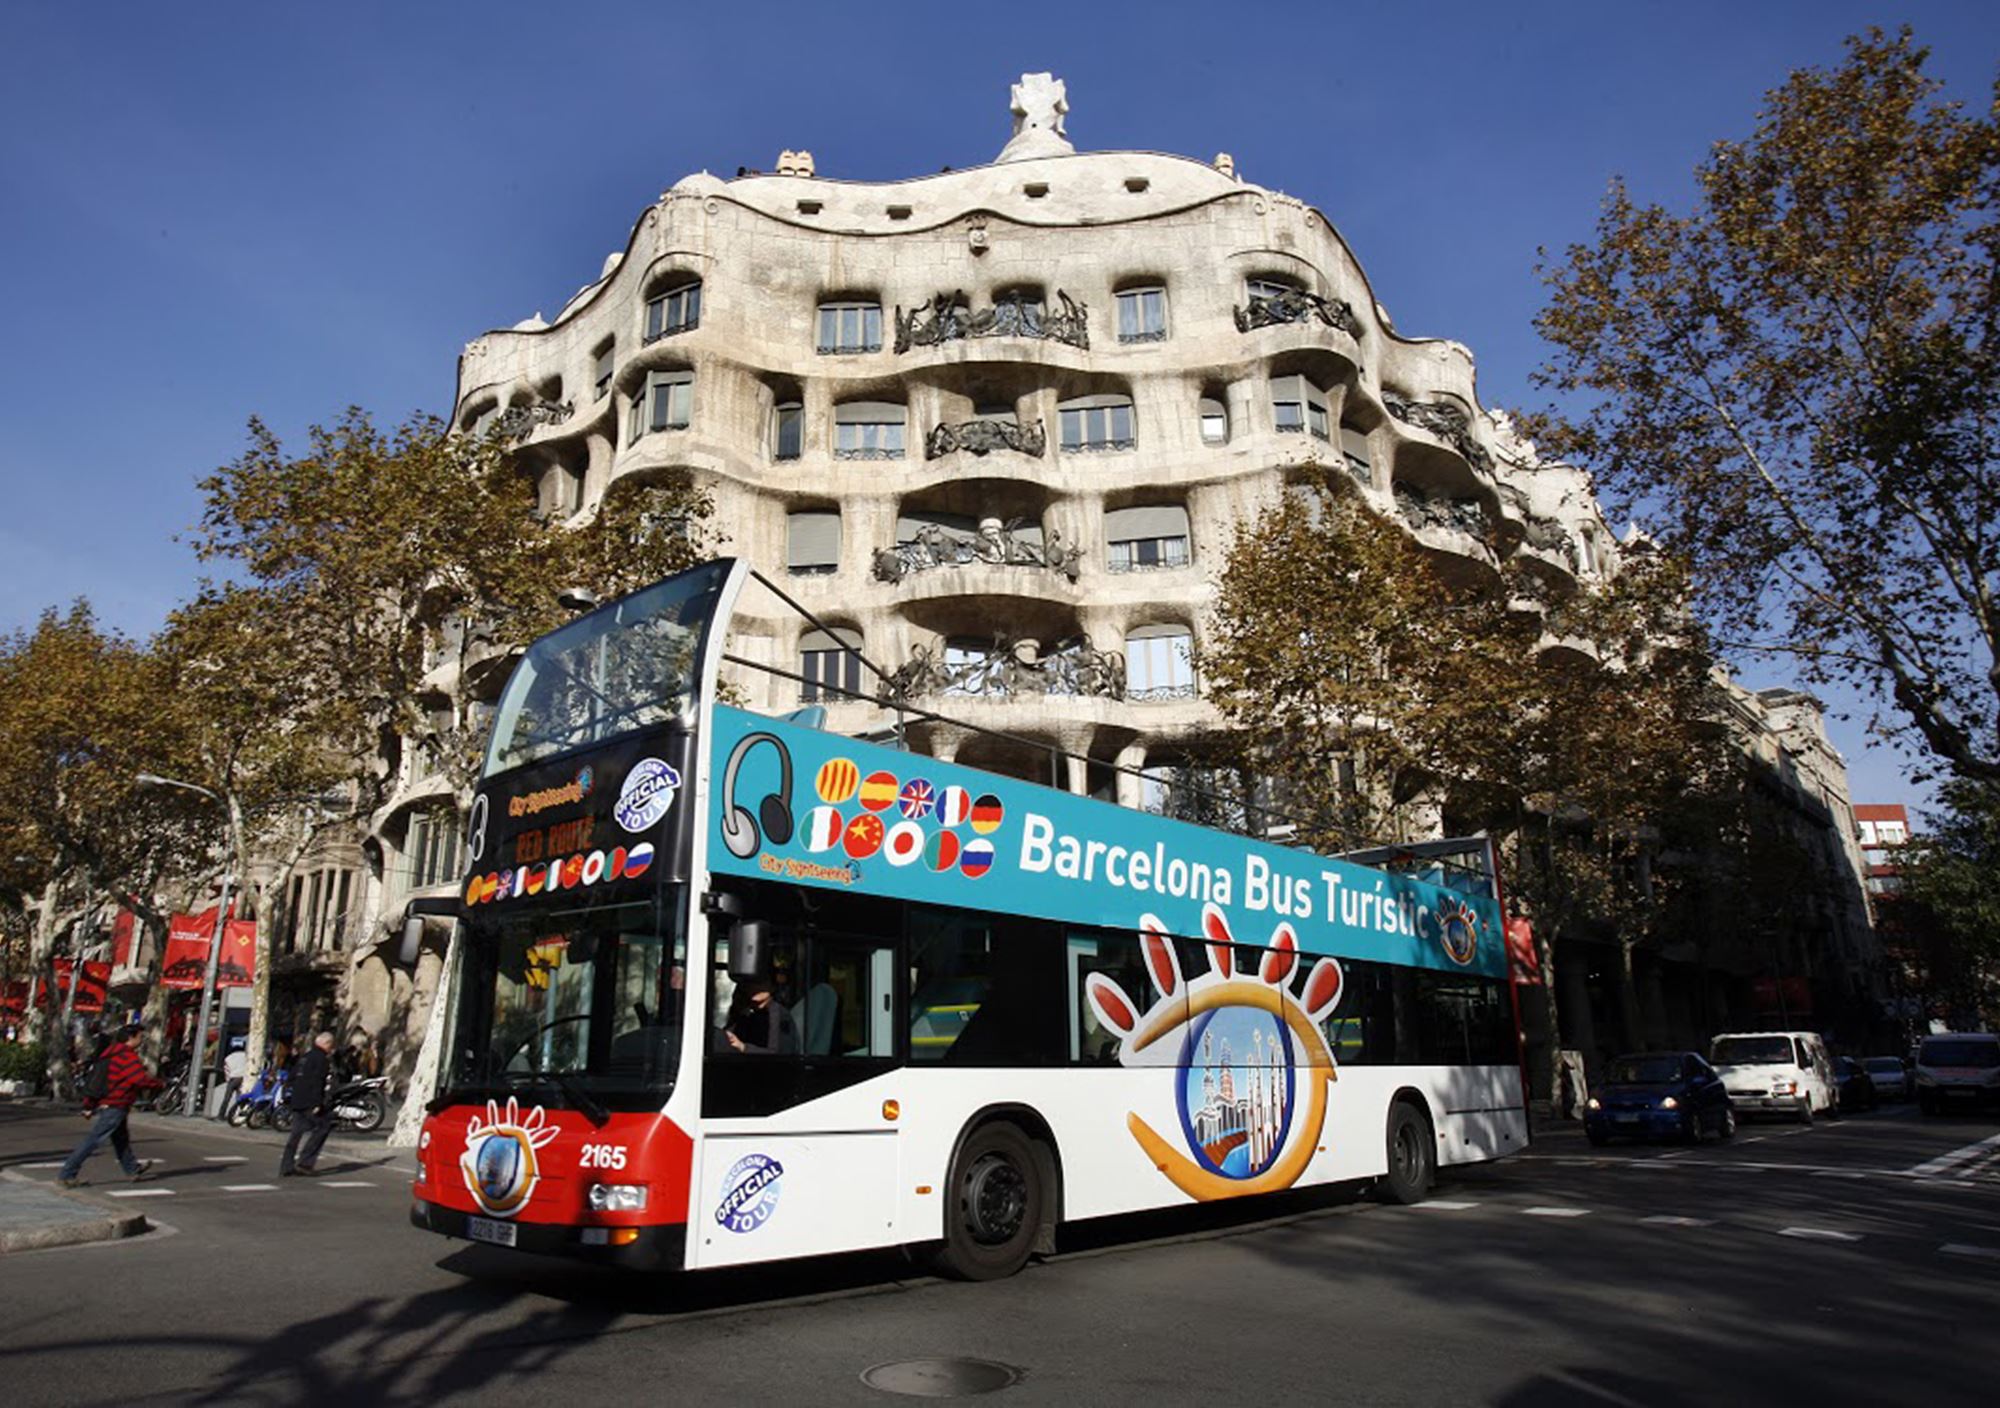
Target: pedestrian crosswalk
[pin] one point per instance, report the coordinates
(1829, 1235)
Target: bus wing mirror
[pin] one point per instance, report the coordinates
(749, 948)
(413, 941)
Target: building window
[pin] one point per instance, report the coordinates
(1214, 421)
(1145, 539)
(562, 492)
(850, 327)
(812, 542)
(666, 403)
(868, 430)
(431, 849)
(601, 370)
(676, 310)
(1142, 315)
(1159, 663)
(1298, 405)
(1354, 449)
(830, 664)
(788, 430)
(1097, 423)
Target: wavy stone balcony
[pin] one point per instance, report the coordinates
(980, 438)
(1446, 424)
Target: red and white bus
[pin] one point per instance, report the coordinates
(729, 988)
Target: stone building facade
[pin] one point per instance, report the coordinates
(994, 429)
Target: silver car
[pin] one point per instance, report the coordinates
(1890, 1077)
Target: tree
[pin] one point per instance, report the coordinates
(1797, 383)
(1381, 700)
(84, 712)
(1949, 874)
(388, 578)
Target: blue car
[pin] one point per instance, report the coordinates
(1659, 1095)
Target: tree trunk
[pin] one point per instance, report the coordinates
(430, 1057)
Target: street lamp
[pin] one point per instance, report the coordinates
(150, 779)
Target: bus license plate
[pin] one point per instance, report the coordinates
(485, 1229)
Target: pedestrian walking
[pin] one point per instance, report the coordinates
(114, 1081)
(312, 1117)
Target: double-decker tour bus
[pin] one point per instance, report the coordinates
(729, 988)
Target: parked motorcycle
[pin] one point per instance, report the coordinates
(359, 1105)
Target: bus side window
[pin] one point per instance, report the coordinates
(980, 988)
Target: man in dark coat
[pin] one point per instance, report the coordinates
(124, 1079)
(311, 1105)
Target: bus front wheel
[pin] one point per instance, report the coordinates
(995, 1204)
(1412, 1156)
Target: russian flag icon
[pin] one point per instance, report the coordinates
(977, 860)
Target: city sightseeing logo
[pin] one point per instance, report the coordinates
(751, 1194)
(1252, 1089)
(499, 1162)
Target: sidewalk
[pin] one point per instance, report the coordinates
(34, 1216)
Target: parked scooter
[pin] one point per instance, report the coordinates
(258, 1106)
(361, 1104)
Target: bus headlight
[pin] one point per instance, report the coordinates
(1594, 1103)
(1670, 1103)
(616, 1197)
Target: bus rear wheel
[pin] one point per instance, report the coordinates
(1412, 1156)
(996, 1204)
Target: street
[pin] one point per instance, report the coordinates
(1855, 1261)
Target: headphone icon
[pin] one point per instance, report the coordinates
(739, 828)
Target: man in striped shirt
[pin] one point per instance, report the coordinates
(125, 1080)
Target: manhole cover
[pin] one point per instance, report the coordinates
(940, 1378)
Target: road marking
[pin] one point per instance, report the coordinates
(249, 1187)
(1556, 1212)
(1839, 1173)
(1754, 1139)
(224, 1159)
(56, 1164)
(1825, 1234)
(1444, 1205)
(1668, 1220)
(346, 1185)
(1963, 1249)
(1945, 1162)
(138, 1192)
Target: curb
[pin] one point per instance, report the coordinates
(108, 1226)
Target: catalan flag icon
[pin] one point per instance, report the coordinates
(987, 814)
(837, 780)
(954, 805)
(879, 792)
(823, 828)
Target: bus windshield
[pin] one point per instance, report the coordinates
(575, 1001)
(626, 666)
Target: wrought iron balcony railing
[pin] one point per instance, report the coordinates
(949, 317)
(1297, 306)
(982, 437)
(1444, 420)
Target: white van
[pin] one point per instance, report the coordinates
(1779, 1073)
(1956, 1068)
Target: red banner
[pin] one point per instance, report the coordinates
(1787, 999)
(188, 938)
(123, 928)
(238, 968)
(90, 989)
(14, 998)
(1522, 953)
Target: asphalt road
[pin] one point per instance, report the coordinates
(1854, 1262)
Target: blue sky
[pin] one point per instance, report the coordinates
(231, 209)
